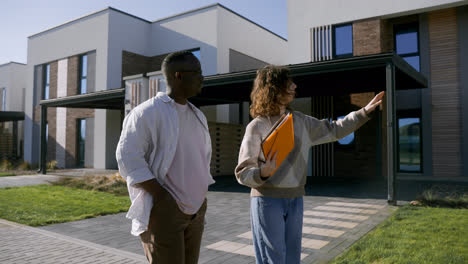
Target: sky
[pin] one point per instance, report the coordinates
(22, 18)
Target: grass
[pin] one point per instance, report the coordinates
(414, 235)
(44, 204)
(6, 174)
(111, 184)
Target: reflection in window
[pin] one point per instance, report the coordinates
(83, 74)
(46, 83)
(407, 43)
(197, 54)
(409, 144)
(343, 40)
(349, 139)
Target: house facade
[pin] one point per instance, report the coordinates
(432, 123)
(12, 90)
(94, 53)
(111, 49)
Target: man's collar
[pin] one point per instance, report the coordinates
(164, 97)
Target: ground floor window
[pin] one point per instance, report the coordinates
(81, 139)
(409, 142)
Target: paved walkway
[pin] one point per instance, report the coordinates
(331, 224)
(15, 181)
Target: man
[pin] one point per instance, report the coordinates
(164, 154)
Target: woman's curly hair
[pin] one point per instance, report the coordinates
(269, 87)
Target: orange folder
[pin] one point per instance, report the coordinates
(280, 138)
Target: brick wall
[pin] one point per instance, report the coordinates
(367, 37)
(73, 114)
(72, 75)
(133, 63)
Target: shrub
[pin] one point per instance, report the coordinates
(52, 165)
(445, 196)
(6, 165)
(24, 165)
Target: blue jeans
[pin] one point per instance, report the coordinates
(277, 229)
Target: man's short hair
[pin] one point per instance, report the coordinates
(172, 61)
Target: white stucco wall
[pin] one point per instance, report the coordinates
(125, 33)
(192, 30)
(73, 38)
(305, 14)
(240, 34)
(12, 78)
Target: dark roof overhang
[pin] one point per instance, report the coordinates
(6, 116)
(333, 77)
(108, 99)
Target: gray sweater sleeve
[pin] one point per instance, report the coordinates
(247, 170)
(322, 131)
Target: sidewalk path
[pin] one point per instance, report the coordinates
(24, 244)
(15, 181)
(331, 225)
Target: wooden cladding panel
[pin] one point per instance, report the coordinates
(446, 108)
(225, 140)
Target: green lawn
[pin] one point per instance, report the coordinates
(6, 174)
(44, 204)
(414, 235)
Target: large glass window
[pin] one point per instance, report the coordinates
(81, 139)
(46, 83)
(343, 41)
(83, 74)
(407, 43)
(409, 143)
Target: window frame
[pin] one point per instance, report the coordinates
(412, 113)
(82, 75)
(407, 28)
(78, 141)
(347, 55)
(46, 82)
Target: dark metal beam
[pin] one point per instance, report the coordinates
(108, 99)
(391, 132)
(6, 116)
(43, 148)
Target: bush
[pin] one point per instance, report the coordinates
(52, 165)
(445, 196)
(112, 184)
(6, 165)
(24, 165)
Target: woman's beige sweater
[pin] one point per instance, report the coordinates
(289, 179)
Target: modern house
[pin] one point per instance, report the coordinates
(87, 73)
(93, 54)
(431, 36)
(12, 90)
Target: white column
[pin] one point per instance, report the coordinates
(61, 113)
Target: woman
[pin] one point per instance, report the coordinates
(276, 200)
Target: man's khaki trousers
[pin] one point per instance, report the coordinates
(172, 236)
